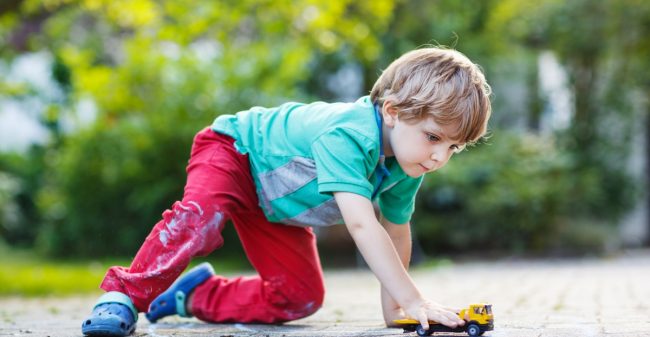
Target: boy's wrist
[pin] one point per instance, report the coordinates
(410, 296)
(391, 315)
(406, 295)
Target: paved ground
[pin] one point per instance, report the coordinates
(592, 297)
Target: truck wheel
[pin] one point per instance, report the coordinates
(474, 330)
(421, 332)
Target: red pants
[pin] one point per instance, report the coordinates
(220, 187)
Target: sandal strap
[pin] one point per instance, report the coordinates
(180, 304)
(120, 298)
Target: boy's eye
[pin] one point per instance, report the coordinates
(432, 137)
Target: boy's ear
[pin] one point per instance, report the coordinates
(389, 113)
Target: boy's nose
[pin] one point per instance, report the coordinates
(434, 156)
(439, 156)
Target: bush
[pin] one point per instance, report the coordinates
(9, 212)
(20, 180)
(109, 186)
(517, 193)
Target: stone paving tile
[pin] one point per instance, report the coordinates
(546, 298)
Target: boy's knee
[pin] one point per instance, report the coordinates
(191, 214)
(303, 304)
(299, 302)
(189, 220)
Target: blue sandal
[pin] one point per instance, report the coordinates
(113, 315)
(172, 301)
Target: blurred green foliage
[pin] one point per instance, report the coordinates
(516, 193)
(158, 71)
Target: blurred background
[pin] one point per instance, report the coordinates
(100, 99)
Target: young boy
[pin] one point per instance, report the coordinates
(278, 172)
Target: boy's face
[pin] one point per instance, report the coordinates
(419, 146)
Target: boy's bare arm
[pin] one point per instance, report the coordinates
(377, 249)
(400, 235)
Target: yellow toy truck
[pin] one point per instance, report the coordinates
(478, 319)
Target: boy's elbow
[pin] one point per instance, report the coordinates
(354, 226)
(358, 213)
(358, 226)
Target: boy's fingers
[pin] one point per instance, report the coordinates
(424, 320)
(453, 317)
(459, 321)
(452, 320)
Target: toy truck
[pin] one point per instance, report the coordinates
(478, 319)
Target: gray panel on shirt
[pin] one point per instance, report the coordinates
(289, 178)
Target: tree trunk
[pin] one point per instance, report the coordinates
(534, 101)
(647, 170)
(586, 114)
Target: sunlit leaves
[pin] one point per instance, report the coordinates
(158, 71)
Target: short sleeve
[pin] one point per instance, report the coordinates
(344, 161)
(398, 203)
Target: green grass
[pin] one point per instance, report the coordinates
(26, 274)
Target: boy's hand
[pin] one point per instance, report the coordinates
(378, 250)
(390, 315)
(426, 311)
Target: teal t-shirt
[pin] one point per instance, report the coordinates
(301, 153)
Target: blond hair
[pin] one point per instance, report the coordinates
(441, 83)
